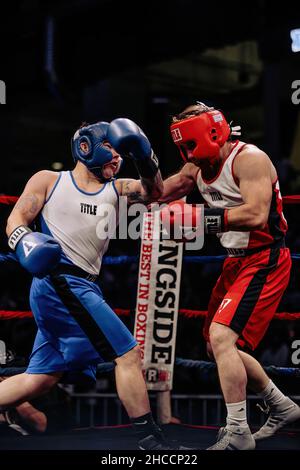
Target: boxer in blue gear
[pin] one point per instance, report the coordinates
(76, 328)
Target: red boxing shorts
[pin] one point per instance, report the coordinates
(247, 293)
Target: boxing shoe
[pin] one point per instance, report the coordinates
(234, 437)
(10, 427)
(157, 441)
(279, 415)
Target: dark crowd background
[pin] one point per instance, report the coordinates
(65, 62)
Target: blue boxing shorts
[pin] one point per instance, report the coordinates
(76, 327)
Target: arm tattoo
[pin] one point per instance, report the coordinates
(150, 190)
(133, 196)
(153, 187)
(27, 204)
(147, 185)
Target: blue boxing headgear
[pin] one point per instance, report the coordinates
(97, 155)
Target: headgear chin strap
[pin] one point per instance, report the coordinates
(96, 155)
(208, 132)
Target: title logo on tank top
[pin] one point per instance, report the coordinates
(88, 208)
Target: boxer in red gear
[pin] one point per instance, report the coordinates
(240, 186)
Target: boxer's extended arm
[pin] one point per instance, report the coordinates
(253, 170)
(31, 200)
(180, 184)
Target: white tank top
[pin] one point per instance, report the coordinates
(76, 219)
(223, 192)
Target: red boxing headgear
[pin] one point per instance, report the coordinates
(208, 131)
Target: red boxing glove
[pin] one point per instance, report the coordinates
(181, 221)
